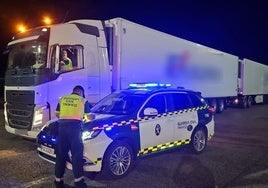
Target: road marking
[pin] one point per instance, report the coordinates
(8, 153)
(68, 180)
(36, 182)
(257, 174)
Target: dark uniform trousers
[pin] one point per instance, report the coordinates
(69, 138)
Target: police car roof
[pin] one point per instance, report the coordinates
(149, 91)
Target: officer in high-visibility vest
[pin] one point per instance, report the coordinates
(71, 110)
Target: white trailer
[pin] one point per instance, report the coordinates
(106, 56)
(147, 55)
(253, 83)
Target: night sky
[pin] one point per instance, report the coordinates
(234, 26)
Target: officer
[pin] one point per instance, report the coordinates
(70, 110)
(66, 63)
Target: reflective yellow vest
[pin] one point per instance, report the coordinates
(72, 107)
(68, 65)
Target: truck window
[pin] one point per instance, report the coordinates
(70, 58)
(27, 54)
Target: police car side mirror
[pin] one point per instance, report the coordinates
(150, 111)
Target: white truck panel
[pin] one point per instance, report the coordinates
(147, 55)
(255, 78)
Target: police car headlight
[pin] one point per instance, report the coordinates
(87, 135)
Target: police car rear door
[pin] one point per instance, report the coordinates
(184, 118)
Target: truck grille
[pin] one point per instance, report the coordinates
(21, 113)
(19, 118)
(20, 109)
(19, 123)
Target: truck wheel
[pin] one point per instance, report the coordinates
(213, 103)
(118, 160)
(221, 105)
(199, 140)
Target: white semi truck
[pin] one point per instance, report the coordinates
(108, 56)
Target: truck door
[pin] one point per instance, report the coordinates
(155, 130)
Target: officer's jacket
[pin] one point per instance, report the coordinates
(71, 107)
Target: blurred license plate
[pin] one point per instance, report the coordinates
(47, 149)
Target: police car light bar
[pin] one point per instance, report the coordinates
(148, 85)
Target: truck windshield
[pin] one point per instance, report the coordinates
(30, 54)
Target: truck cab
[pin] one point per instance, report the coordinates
(34, 80)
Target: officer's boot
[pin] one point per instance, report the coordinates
(59, 184)
(80, 184)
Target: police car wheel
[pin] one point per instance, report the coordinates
(199, 140)
(118, 160)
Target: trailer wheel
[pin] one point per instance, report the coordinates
(245, 102)
(249, 101)
(220, 105)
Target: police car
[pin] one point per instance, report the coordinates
(142, 120)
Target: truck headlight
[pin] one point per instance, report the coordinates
(87, 135)
(40, 115)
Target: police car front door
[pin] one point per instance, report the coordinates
(155, 130)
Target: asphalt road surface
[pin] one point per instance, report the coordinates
(236, 157)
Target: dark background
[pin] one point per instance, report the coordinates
(238, 27)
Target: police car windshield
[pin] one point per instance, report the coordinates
(119, 104)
